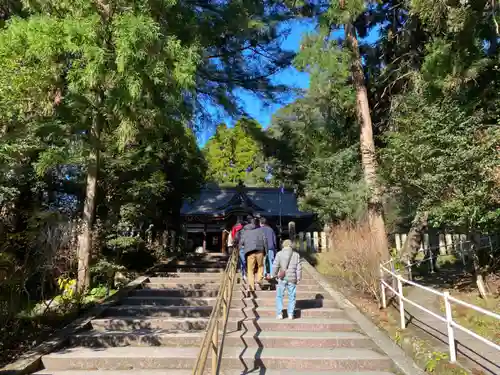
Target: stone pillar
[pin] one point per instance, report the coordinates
(316, 242)
(308, 242)
(291, 231)
(301, 241)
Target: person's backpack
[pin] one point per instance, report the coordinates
(282, 273)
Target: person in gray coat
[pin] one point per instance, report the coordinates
(288, 271)
(254, 243)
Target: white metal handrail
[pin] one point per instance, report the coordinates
(447, 318)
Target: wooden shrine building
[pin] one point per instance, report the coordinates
(217, 209)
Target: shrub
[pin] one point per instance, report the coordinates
(354, 256)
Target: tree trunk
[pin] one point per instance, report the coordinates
(415, 236)
(85, 238)
(478, 272)
(367, 145)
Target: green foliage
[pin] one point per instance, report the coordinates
(443, 139)
(233, 155)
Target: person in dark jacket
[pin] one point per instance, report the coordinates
(254, 244)
(271, 245)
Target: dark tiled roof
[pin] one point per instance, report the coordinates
(215, 201)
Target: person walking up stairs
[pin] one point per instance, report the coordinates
(288, 271)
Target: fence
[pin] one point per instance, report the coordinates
(211, 343)
(397, 288)
(444, 243)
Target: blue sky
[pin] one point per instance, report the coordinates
(289, 76)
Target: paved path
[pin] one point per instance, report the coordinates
(474, 353)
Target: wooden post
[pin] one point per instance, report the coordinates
(449, 243)
(442, 244)
(397, 238)
(301, 241)
(324, 247)
(316, 242)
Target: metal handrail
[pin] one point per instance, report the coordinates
(448, 300)
(220, 313)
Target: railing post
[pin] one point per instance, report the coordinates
(215, 344)
(382, 288)
(401, 304)
(226, 292)
(410, 275)
(431, 260)
(449, 326)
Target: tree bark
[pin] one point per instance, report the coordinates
(85, 238)
(367, 145)
(415, 236)
(481, 283)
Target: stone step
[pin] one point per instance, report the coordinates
(314, 359)
(98, 339)
(121, 358)
(186, 277)
(189, 268)
(190, 372)
(302, 283)
(300, 287)
(128, 358)
(298, 339)
(301, 304)
(175, 292)
(269, 339)
(127, 323)
(266, 312)
(287, 325)
(169, 301)
(156, 311)
(300, 294)
(187, 284)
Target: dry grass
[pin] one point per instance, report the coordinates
(354, 257)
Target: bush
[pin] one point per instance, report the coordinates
(354, 257)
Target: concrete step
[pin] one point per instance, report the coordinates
(269, 339)
(190, 268)
(127, 358)
(174, 292)
(157, 311)
(287, 325)
(301, 304)
(297, 339)
(127, 323)
(186, 284)
(169, 301)
(121, 358)
(300, 287)
(270, 312)
(97, 339)
(190, 372)
(308, 282)
(313, 359)
(300, 294)
(185, 277)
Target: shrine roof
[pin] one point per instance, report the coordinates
(217, 201)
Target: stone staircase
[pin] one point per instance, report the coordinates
(158, 330)
(155, 330)
(321, 340)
